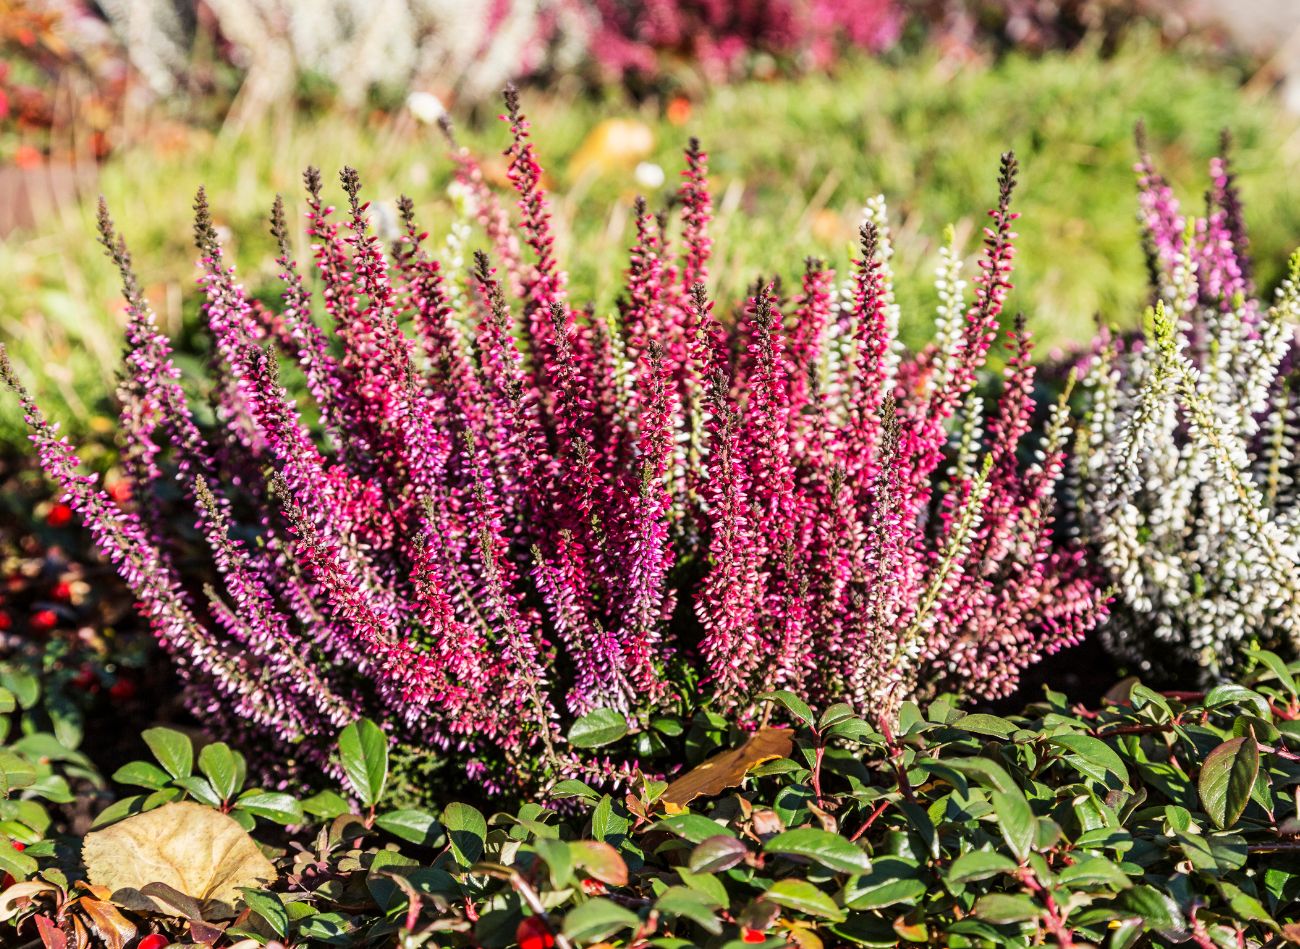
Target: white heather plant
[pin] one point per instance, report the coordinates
(1186, 456)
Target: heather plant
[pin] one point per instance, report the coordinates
(479, 524)
(1186, 460)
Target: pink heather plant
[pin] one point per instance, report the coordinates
(484, 529)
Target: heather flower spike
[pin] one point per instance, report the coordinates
(1185, 461)
(481, 512)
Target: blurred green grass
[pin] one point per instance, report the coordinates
(792, 165)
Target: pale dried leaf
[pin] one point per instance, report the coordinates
(194, 849)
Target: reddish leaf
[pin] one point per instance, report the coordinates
(51, 935)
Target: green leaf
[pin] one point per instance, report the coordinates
(1095, 873)
(18, 772)
(273, 806)
(363, 750)
(598, 919)
(981, 724)
(599, 727)
(1094, 751)
(836, 714)
(118, 810)
(558, 859)
(892, 880)
(986, 772)
(23, 685)
(16, 863)
(200, 790)
(793, 704)
(718, 853)
(326, 804)
(999, 908)
(830, 850)
(1232, 694)
(574, 788)
(141, 774)
(1016, 819)
(979, 865)
(694, 827)
(802, 896)
(218, 763)
(333, 928)
(1278, 668)
(683, 902)
(270, 907)
(607, 824)
(419, 827)
(1158, 910)
(173, 750)
(1226, 779)
(468, 832)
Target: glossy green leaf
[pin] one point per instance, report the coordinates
(803, 897)
(363, 751)
(173, 749)
(141, 774)
(219, 765)
(791, 702)
(273, 806)
(419, 827)
(1001, 908)
(598, 919)
(979, 865)
(467, 832)
(1227, 776)
(599, 727)
(830, 850)
(270, 907)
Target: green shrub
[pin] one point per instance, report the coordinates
(1157, 819)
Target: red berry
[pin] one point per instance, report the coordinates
(18, 845)
(752, 935)
(153, 941)
(123, 690)
(85, 676)
(60, 516)
(120, 491)
(5, 621)
(62, 590)
(532, 933)
(594, 887)
(44, 620)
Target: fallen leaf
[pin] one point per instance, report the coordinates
(113, 929)
(13, 899)
(726, 770)
(196, 850)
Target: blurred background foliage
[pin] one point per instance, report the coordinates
(809, 124)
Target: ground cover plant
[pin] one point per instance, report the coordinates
(1186, 456)
(1151, 820)
(526, 516)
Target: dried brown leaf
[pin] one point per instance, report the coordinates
(726, 770)
(196, 850)
(112, 928)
